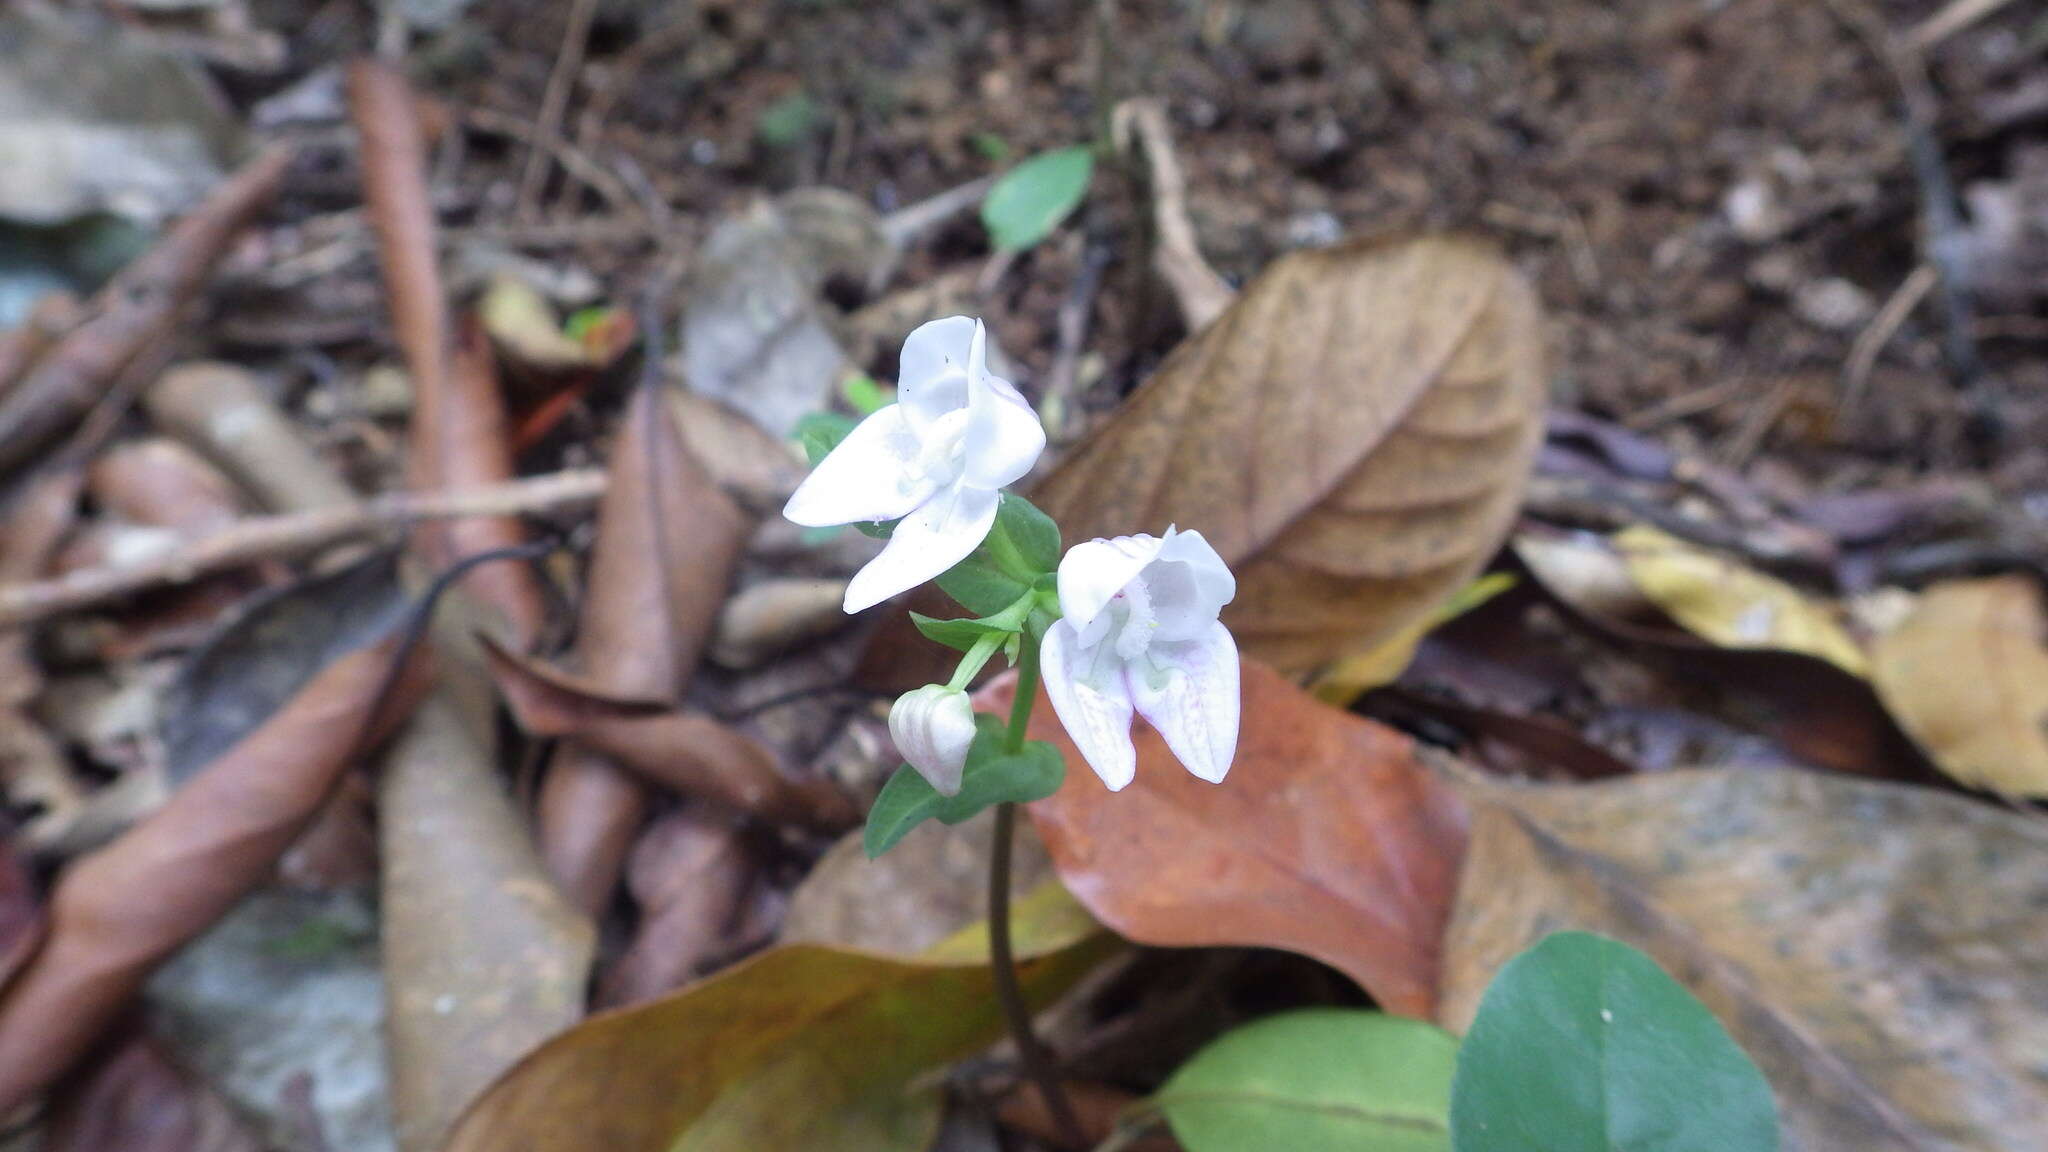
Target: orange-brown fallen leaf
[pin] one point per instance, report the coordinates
(687, 751)
(667, 543)
(1329, 837)
(115, 914)
(1353, 434)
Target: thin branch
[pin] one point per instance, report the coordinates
(275, 537)
(553, 102)
(1201, 293)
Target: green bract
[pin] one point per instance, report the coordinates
(992, 777)
(1583, 1044)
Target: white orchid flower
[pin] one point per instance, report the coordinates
(933, 727)
(936, 461)
(1139, 632)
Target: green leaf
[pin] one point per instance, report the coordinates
(990, 145)
(1316, 1078)
(821, 432)
(1022, 548)
(1031, 199)
(1583, 1044)
(962, 634)
(788, 120)
(992, 777)
(861, 391)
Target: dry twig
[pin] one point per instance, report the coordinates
(1201, 293)
(553, 102)
(294, 534)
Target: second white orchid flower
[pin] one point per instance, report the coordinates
(1139, 632)
(935, 461)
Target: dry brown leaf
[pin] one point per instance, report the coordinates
(687, 751)
(163, 483)
(667, 543)
(483, 958)
(117, 913)
(1875, 948)
(1353, 435)
(1967, 674)
(688, 874)
(1328, 838)
(222, 410)
(135, 1099)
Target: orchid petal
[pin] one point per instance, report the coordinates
(1189, 585)
(869, 476)
(1194, 704)
(1094, 709)
(937, 535)
(1092, 574)
(931, 378)
(1004, 437)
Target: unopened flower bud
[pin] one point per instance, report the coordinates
(932, 727)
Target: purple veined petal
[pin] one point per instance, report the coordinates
(934, 537)
(1004, 437)
(1196, 706)
(1189, 584)
(1094, 709)
(932, 377)
(1091, 574)
(871, 475)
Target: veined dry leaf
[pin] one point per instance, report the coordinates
(1328, 838)
(266, 764)
(1875, 948)
(1723, 600)
(1353, 435)
(483, 958)
(667, 543)
(1967, 674)
(801, 1047)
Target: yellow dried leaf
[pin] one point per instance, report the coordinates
(1720, 599)
(1967, 675)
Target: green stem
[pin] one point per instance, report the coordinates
(1027, 694)
(977, 656)
(1030, 1053)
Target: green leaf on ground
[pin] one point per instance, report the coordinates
(1583, 1044)
(1031, 199)
(1317, 1078)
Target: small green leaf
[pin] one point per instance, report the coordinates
(1031, 199)
(861, 391)
(990, 145)
(1022, 548)
(1316, 1078)
(788, 120)
(821, 432)
(992, 777)
(1583, 1044)
(962, 634)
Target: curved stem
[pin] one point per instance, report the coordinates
(1027, 694)
(1036, 1061)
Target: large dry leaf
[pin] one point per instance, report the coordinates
(667, 542)
(1353, 436)
(1967, 674)
(264, 767)
(483, 958)
(1328, 837)
(801, 1047)
(1875, 948)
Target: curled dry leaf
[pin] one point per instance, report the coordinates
(688, 874)
(801, 1047)
(1967, 674)
(1329, 838)
(483, 957)
(163, 483)
(667, 543)
(687, 751)
(264, 765)
(1353, 435)
(1875, 948)
(222, 411)
(1719, 598)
